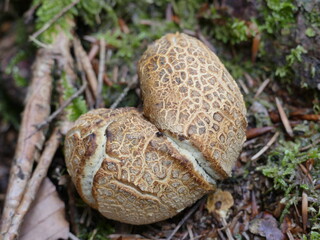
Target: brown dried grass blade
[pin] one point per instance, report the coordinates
(86, 66)
(284, 118)
(262, 87)
(304, 210)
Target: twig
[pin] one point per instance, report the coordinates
(185, 218)
(34, 184)
(73, 237)
(53, 20)
(243, 85)
(36, 110)
(266, 147)
(94, 232)
(102, 57)
(39, 43)
(84, 60)
(62, 107)
(185, 235)
(262, 87)
(189, 227)
(306, 172)
(290, 236)
(124, 93)
(284, 118)
(206, 42)
(249, 79)
(227, 229)
(221, 235)
(93, 51)
(315, 143)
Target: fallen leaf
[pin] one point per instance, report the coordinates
(220, 202)
(265, 225)
(46, 217)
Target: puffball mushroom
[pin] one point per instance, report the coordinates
(188, 94)
(125, 169)
(141, 168)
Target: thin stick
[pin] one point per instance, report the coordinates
(36, 110)
(102, 57)
(62, 107)
(244, 87)
(266, 147)
(189, 227)
(34, 184)
(262, 87)
(206, 42)
(124, 93)
(39, 43)
(306, 172)
(227, 229)
(284, 118)
(290, 236)
(85, 63)
(93, 51)
(53, 20)
(73, 237)
(185, 218)
(315, 143)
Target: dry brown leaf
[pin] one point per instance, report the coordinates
(46, 217)
(220, 202)
(284, 118)
(265, 225)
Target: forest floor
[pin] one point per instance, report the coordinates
(271, 49)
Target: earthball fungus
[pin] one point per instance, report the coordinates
(141, 168)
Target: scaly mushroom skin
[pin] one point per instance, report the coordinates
(141, 170)
(123, 167)
(188, 94)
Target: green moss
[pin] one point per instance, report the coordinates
(278, 15)
(283, 168)
(47, 11)
(78, 105)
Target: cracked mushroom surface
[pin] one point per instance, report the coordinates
(122, 166)
(141, 168)
(190, 96)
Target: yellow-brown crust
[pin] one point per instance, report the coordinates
(187, 91)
